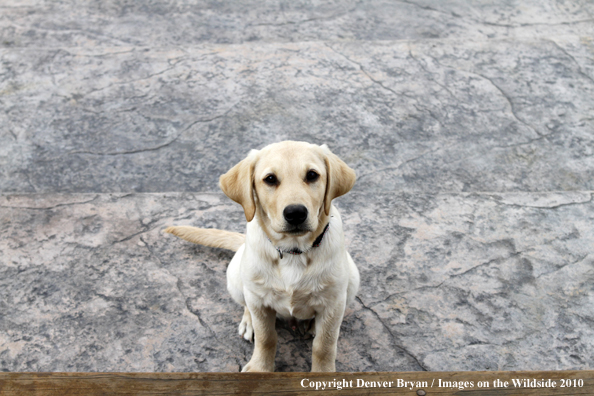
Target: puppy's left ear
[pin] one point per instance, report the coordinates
(238, 184)
(339, 180)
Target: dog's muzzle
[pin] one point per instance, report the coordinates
(297, 251)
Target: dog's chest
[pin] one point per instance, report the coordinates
(294, 290)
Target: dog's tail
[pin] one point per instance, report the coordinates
(209, 237)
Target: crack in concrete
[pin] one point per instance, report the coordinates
(521, 338)
(131, 236)
(580, 70)
(178, 286)
(207, 120)
(411, 290)
(487, 263)
(495, 260)
(425, 109)
(84, 32)
(500, 90)
(335, 16)
(394, 167)
(579, 260)
(410, 53)
(421, 109)
(511, 104)
(147, 228)
(128, 152)
(28, 177)
(495, 24)
(51, 207)
(362, 69)
(161, 146)
(196, 312)
(428, 8)
(567, 23)
(239, 364)
(541, 137)
(406, 352)
(105, 54)
(546, 207)
(92, 91)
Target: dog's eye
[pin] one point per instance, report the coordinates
(271, 180)
(311, 176)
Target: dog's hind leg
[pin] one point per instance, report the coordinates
(246, 329)
(234, 283)
(235, 287)
(353, 286)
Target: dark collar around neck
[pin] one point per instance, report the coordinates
(297, 251)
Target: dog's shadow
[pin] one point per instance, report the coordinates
(294, 347)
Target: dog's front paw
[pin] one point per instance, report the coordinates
(256, 368)
(246, 330)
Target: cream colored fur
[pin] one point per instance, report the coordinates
(316, 284)
(209, 237)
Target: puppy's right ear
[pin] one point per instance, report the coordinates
(238, 184)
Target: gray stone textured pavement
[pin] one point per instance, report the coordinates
(470, 126)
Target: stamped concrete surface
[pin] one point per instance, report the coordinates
(448, 282)
(59, 23)
(470, 126)
(415, 115)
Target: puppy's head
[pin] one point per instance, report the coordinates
(290, 184)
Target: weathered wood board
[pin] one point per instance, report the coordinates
(493, 383)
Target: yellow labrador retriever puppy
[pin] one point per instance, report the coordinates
(292, 261)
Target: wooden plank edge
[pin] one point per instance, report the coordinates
(495, 383)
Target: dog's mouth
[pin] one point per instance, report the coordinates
(296, 231)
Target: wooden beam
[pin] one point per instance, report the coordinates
(470, 383)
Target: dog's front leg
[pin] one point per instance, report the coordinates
(327, 325)
(263, 321)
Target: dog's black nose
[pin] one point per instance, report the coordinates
(295, 214)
